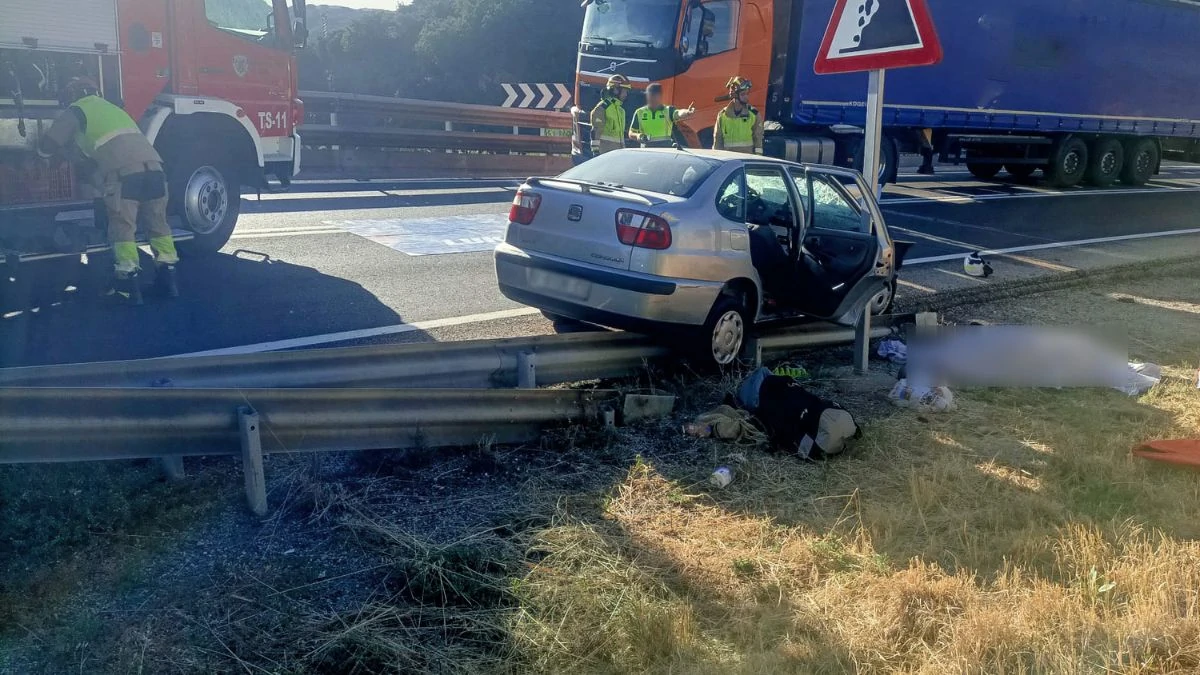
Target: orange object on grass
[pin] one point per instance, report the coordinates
(1183, 452)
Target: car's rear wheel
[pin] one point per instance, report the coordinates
(724, 333)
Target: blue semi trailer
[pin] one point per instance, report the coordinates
(1093, 91)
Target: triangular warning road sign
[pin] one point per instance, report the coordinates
(878, 34)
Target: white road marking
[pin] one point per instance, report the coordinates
(312, 232)
(1033, 195)
(375, 194)
(347, 336)
(1058, 244)
(372, 181)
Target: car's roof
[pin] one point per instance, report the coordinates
(724, 156)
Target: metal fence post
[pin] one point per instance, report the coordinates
(526, 370)
(862, 342)
(252, 461)
(173, 467)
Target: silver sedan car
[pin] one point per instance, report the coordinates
(704, 243)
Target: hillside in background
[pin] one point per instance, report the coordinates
(449, 50)
(333, 17)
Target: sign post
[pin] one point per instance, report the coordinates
(874, 36)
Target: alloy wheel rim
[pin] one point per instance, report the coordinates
(727, 337)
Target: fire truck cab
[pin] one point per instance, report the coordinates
(212, 83)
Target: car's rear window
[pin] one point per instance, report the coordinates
(665, 173)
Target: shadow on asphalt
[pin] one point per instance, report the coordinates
(226, 300)
(282, 204)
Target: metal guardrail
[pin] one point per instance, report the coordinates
(465, 364)
(377, 133)
(256, 404)
(428, 139)
(43, 425)
(434, 111)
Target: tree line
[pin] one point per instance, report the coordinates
(449, 50)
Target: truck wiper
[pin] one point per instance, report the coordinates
(644, 43)
(598, 38)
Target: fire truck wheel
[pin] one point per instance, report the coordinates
(206, 197)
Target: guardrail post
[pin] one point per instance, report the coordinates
(862, 342)
(173, 467)
(252, 461)
(526, 370)
(926, 321)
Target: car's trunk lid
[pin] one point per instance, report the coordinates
(578, 221)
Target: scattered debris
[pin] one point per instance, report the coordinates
(646, 406)
(893, 349)
(925, 399)
(794, 372)
(974, 265)
(1142, 377)
(1182, 452)
(721, 477)
(726, 423)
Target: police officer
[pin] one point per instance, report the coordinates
(130, 175)
(653, 124)
(608, 117)
(739, 125)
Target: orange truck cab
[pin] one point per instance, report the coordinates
(690, 47)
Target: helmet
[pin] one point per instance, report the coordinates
(737, 83)
(974, 265)
(619, 81)
(78, 88)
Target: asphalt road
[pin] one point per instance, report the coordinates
(340, 262)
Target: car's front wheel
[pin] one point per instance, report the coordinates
(883, 300)
(725, 332)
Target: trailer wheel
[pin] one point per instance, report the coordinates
(983, 171)
(1068, 162)
(1020, 171)
(1107, 160)
(889, 159)
(1141, 160)
(206, 193)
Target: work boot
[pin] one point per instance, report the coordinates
(126, 289)
(164, 280)
(926, 170)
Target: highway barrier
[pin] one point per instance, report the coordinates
(461, 364)
(360, 133)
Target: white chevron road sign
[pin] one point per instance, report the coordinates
(540, 96)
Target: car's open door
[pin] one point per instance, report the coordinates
(844, 258)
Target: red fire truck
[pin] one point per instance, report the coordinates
(212, 83)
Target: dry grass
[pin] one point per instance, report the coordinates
(1015, 535)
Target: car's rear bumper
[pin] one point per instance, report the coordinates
(596, 294)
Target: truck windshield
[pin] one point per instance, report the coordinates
(649, 23)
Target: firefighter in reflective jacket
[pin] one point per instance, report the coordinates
(608, 117)
(739, 125)
(129, 173)
(653, 124)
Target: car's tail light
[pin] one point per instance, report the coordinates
(644, 230)
(524, 207)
